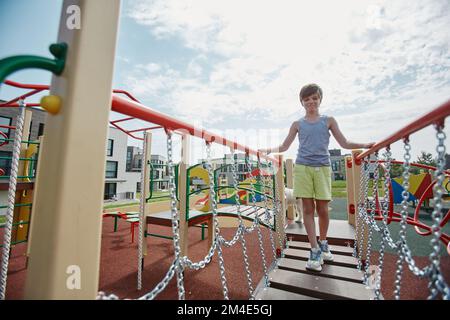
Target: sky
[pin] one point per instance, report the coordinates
(235, 67)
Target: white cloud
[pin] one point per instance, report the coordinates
(367, 55)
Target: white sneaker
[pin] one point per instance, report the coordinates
(315, 260)
(325, 249)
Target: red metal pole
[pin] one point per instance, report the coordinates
(26, 86)
(139, 111)
(436, 116)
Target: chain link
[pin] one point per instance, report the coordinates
(362, 211)
(175, 220)
(234, 169)
(404, 216)
(258, 229)
(278, 214)
(384, 210)
(436, 282)
(268, 215)
(373, 205)
(162, 284)
(217, 239)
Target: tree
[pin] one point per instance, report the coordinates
(426, 159)
(396, 170)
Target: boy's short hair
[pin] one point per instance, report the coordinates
(310, 89)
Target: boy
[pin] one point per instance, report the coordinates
(312, 172)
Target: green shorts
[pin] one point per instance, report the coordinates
(312, 182)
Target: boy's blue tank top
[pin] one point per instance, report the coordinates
(313, 138)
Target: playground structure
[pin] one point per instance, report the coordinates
(78, 90)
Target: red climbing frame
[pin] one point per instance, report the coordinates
(135, 110)
(435, 117)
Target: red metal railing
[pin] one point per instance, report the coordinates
(135, 110)
(396, 217)
(435, 117)
(139, 111)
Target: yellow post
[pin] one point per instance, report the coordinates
(280, 218)
(290, 184)
(30, 225)
(351, 205)
(183, 190)
(24, 146)
(65, 252)
(362, 237)
(22, 214)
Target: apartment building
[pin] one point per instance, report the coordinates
(158, 167)
(226, 171)
(337, 161)
(120, 183)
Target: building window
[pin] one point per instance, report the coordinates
(109, 150)
(111, 169)
(110, 190)
(336, 165)
(5, 164)
(129, 159)
(29, 133)
(5, 121)
(41, 129)
(138, 187)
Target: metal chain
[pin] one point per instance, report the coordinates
(358, 245)
(234, 169)
(163, 283)
(358, 217)
(240, 229)
(255, 209)
(258, 229)
(404, 216)
(281, 215)
(365, 214)
(212, 195)
(175, 220)
(372, 217)
(362, 210)
(11, 198)
(268, 215)
(437, 284)
(101, 295)
(180, 263)
(384, 211)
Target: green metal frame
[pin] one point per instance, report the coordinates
(12, 64)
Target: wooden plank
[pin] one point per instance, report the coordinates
(328, 271)
(4, 186)
(318, 287)
(277, 294)
(335, 249)
(253, 213)
(340, 232)
(339, 260)
(164, 218)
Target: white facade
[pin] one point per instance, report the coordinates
(160, 172)
(119, 182)
(226, 172)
